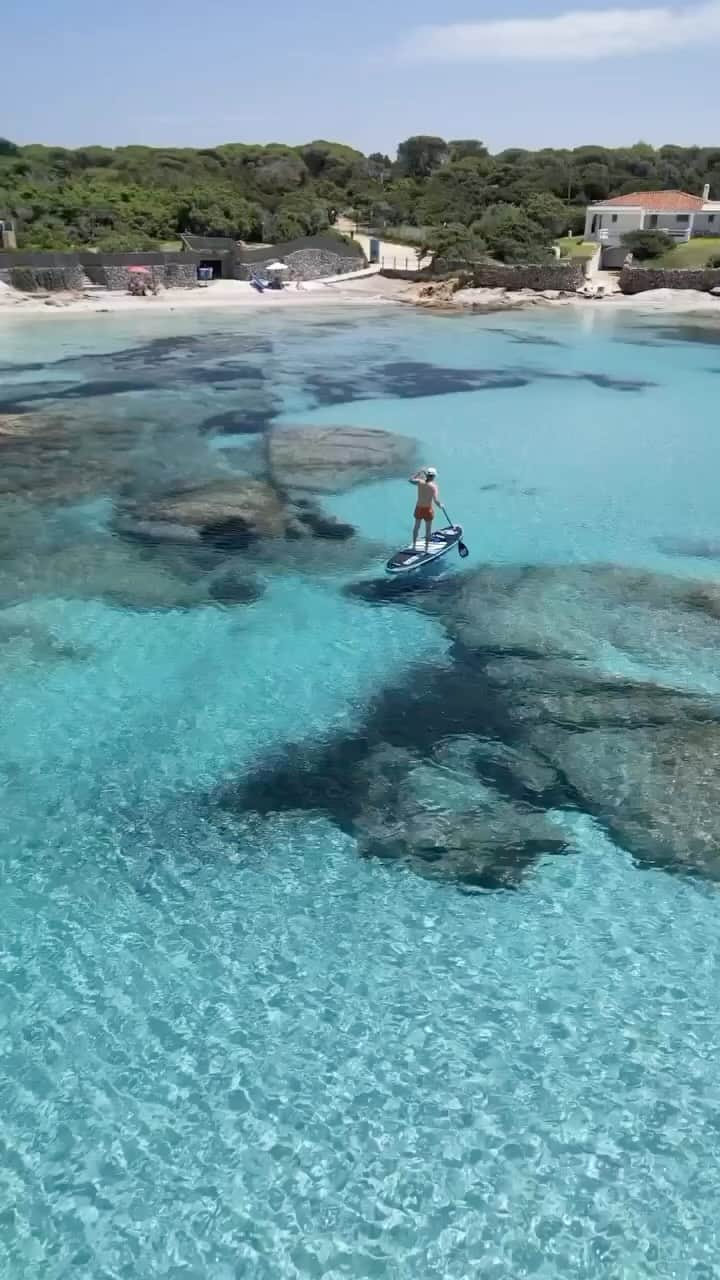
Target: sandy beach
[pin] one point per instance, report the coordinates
(221, 293)
(368, 288)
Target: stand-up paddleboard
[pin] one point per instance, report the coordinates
(411, 559)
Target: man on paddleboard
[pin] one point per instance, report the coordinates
(427, 494)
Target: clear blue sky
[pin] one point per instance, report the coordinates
(78, 72)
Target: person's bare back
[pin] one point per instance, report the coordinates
(427, 498)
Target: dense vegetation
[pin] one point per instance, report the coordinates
(512, 204)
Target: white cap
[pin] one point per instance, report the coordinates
(430, 472)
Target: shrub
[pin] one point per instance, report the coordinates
(511, 236)
(647, 244)
(453, 243)
(548, 212)
(418, 237)
(713, 261)
(576, 221)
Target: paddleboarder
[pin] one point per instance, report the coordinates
(427, 498)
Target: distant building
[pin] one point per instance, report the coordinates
(7, 233)
(309, 257)
(677, 213)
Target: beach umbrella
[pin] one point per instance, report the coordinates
(278, 266)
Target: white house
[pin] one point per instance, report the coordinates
(679, 214)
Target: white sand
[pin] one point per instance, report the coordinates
(362, 288)
(653, 301)
(686, 301)
(221, 293)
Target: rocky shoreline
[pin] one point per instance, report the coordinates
(446, 295)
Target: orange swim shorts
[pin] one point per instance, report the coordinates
(423, 513)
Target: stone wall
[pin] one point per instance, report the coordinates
(567, 277)
(49, 279)
(421, 273)
(30, 272)
(639, 279)
(171, 275)
(327, 241)
(304, 264)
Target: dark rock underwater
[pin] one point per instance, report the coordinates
(463, 770)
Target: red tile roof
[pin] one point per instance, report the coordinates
(657, 201)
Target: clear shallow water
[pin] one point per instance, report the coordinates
(243, 1050)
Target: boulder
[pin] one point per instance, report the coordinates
(333, 459)
(323, 526)
(156, 532)
(62, 457)
(250, 421)
(241, 510)
(231, 513)
(231, 587)
(439, 819)
(657, 789)
(439, 294)
(536, 671)
(581, 613)
(15, 426)
(436, 808)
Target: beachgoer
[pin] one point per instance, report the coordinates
(427, 494)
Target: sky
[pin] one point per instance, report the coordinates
(526, 73)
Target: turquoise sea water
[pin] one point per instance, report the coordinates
(240, 1049)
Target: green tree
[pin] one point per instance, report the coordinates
(95, 194)
(284, 226)
(462, 148)
(647, 244)
(511, 236)
(456, 193)
(548, 212)
(379, 166)
(421, 155)
(454, 244)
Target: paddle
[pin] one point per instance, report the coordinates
(463, 551)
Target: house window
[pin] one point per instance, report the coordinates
(614, 217)
(652, 220)
(711, 217)
(683, 217)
